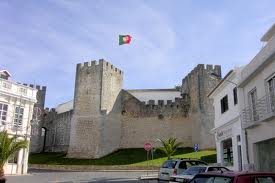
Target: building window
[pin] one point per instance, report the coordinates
(235, 95)
(13, 158)
(238, 138)
(6, 85)
(271, 91)
(23, 91)
(253, 105)
(227, 152)
(3, 113)
(18, 116)
(271, 84)
(224, 104)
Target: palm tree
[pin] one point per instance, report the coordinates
(169, 146)
(8, 147)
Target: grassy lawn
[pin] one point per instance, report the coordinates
(130, 157)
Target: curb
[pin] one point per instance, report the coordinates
(88, 168)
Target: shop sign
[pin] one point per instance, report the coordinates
(224, 133)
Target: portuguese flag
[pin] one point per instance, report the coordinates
(124, 39)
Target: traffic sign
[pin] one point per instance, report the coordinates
(148, 146)
(196, 147)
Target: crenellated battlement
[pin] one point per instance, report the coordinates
(206, 68)
(97, 78)
(132, 107)
(202, 70)
(199, 82)
(161, 104)
(100, 63)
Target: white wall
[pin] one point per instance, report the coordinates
(226, 88)
(228, 124)
(67, 106)
(265, 130)
(13, 89)
(259, 82)
(13, 97)
(255, 75)
(155, 94)
(233, 129)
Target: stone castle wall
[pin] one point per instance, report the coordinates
(112, 80)
(57, 128)
(137, 131)
(110, 134)
(141, 123)
(106, 118)
(189, 118)
(197, 84)
(97, 86)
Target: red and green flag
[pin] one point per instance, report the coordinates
(124, 39)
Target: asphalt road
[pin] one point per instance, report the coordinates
(45, 176)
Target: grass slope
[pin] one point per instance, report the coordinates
(130, 157)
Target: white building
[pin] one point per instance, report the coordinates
(154, 95)
(229, 134)
(258, 105)
(16, 112)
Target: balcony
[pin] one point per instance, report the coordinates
(262, 111)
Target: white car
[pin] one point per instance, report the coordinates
(177, 166)
(189, 174)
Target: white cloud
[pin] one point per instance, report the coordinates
(47, 40)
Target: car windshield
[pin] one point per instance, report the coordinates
(200, 163)
(169, 164)
(212, 179)
(194, 170)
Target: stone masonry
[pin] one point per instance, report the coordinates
(105, 117)
(97, 87)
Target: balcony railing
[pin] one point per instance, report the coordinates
(262, 110)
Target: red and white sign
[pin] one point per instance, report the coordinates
(148, 146)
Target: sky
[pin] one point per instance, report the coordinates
(42, 41)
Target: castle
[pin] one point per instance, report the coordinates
(104, 117)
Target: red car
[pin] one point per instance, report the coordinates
(234, 177)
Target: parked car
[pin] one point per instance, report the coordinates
(176, 166)
(189, 173)
(234, 177)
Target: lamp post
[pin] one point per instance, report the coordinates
(216, 76)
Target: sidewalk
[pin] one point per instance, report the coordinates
(102, 168)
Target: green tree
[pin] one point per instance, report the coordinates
(8, 147)
(169, 146)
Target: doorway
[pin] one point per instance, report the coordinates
(227, 152)
(43, 138)
(266, 155)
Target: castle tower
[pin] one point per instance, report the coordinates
(97, 86)
(198, 84)
(35, 145)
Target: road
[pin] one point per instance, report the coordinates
(38, 176)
